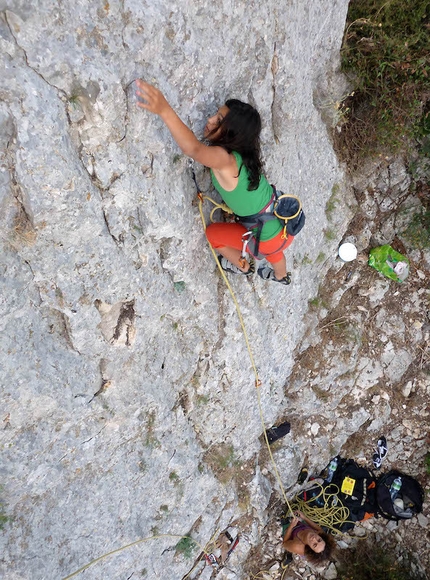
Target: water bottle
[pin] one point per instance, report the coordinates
(395, 488)
(331, 469)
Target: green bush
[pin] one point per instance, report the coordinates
(386, 55)
(186, 546)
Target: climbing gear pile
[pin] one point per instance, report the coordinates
(269, 274)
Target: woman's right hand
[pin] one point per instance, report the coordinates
(295, 520)
(153, 99)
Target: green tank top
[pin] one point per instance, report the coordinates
(245, 202)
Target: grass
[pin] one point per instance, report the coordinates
(427, 463)
(151, 440)
(370, 561)
(332, 201)
(386, 55)
(418, 231)
(318, 302)
(174, 478)
(330, 235)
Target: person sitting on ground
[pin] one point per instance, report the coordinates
(233, 155)
(307, 539)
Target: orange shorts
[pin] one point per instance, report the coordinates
(221, 235)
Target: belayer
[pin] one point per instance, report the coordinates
(234, 158)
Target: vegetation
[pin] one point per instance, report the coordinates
(185, 546)
(386, 55)
(427, 463)
(368, 561)
(418, 231)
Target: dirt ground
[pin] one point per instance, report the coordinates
(360, 316)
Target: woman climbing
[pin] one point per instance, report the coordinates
(233, 156)
(307, 539)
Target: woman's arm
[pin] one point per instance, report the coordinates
(310, 523)
(295, 520)
(155, 102)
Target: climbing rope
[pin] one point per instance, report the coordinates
(205, 550)
(258, 383)
(324, 508)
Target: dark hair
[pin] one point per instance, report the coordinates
(240, 131)
(320, 557)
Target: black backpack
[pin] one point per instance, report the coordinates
(411, 493)
(357, 489)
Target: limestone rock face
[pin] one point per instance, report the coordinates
(128, 395)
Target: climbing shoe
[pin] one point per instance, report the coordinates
(275, 433)
(286, 561)
(303, 475)
(381, 452)
(268, 274)
(229, 267)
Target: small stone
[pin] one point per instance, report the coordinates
(331, 572)
(406, 391)
(422, 520)
(315, 428)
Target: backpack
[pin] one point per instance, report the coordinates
(357, 489)
(283, 207)
(411, 494)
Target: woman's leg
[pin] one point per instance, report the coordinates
(276, 259)
(227, 240)
(280, 268)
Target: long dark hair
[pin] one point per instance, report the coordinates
(320, 557)
(240, 131)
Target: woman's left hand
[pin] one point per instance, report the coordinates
(155, 101)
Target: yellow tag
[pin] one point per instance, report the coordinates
(348, 486)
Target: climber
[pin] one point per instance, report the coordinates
(307, 539)
(233, 156)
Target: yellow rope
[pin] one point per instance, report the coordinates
(204, 549)
(326, 515)
(257, 384)
(248, 346)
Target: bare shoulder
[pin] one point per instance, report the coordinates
(228, 175)
(294, 546)
(215, 157)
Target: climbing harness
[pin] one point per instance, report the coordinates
(282, 206)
